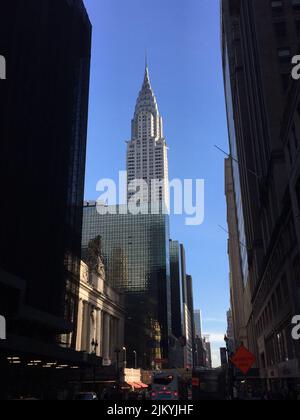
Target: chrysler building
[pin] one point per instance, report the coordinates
(147, 152)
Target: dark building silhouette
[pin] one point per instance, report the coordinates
(198, 322)
(182, 304)
(176, 289)
(259, 38)
(187, 312)
(190, 303)
(178, 340)
(43, 120)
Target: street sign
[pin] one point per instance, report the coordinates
(243, 360)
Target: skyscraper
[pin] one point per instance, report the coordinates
(208, 352)
(259, 38)
(43, 119)
(230, 331)
(190, 303)
(136, 247)
(239, 290)
(176, 289)
(198, 322)
(135, 251)
(188, 312)
(147, 152)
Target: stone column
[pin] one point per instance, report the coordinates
(79, 326)
(99, 331)
(93, 328)
(86, 327)
(112, 338)
(102, 334)
(106, 340)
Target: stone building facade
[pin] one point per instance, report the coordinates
(101, 316)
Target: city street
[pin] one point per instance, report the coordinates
(150, 184)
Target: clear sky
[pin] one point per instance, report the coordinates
(182, 38)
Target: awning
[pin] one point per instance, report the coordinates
(137, 385)
(140, 385)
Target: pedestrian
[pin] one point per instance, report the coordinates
(104, 395)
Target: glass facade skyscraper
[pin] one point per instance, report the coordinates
(135, 251)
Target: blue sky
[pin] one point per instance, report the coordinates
(182, 38)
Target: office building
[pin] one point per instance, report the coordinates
(176, 289)
(188, 312)
(190, 303)
(43, 119)
(135, 251)
(207, 345)
(259, 38)
(198, 322)
(230, 332)
(147, 151)
(240, 297)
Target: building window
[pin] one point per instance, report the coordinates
(277, 7)
(284, 55)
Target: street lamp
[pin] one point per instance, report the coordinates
(135, 359)
(95, 345)
(125, 357)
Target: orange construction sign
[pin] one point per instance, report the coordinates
(243, 360)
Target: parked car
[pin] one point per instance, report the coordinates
(86, 396)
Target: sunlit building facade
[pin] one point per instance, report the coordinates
(147, 151)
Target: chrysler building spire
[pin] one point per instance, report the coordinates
(146, 111)
(147, 158)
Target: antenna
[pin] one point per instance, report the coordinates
(236, 160)
(232, 236)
